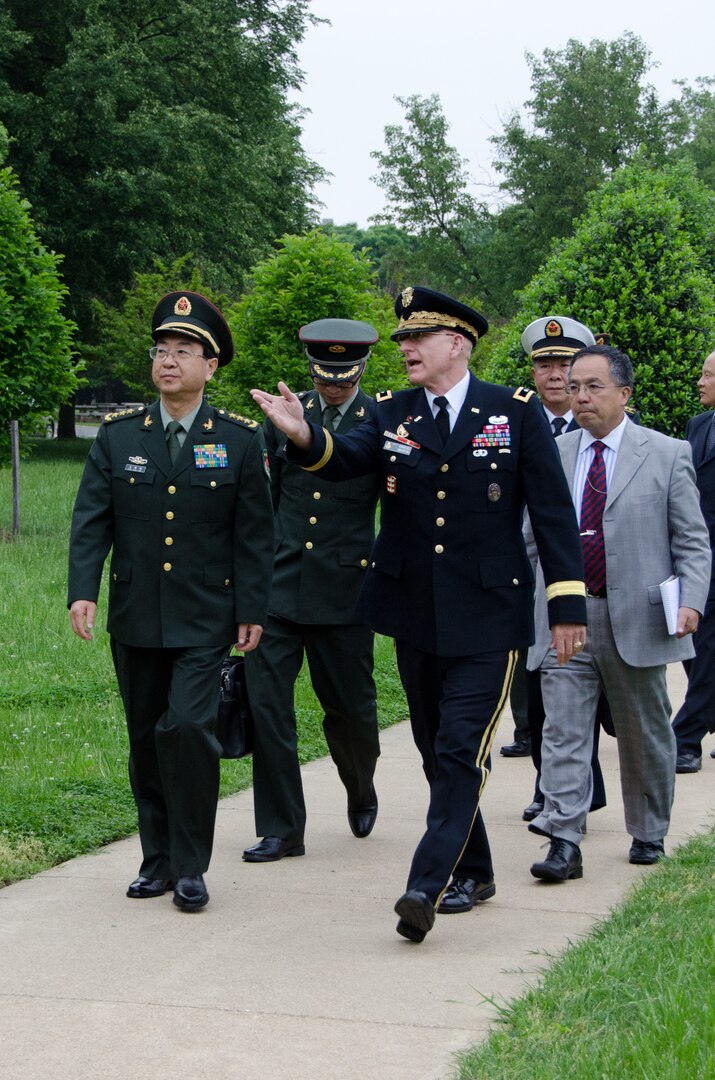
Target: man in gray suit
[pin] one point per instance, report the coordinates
(635, 496)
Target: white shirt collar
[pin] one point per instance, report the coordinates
(456, 396)
(612, 440)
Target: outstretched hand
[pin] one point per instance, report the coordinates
(286, 412)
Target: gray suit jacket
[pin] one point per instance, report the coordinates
(653, 527)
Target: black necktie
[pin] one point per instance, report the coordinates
(442, 418)
(558, 424)
(172, 431)
(331, 416)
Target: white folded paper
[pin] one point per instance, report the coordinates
(670, 595)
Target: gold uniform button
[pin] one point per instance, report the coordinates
(439, 522)
(444, 468)
(171, 489)
(309, 545)
(393, 457)
(114, 577)
(441, 494)
(313, 520)
(494, 465)
(168, 540)
(363, 562)
(438, 549)
(169, 515)
(167, 566)
(316, 494)
(227, 581)
(132, 480)
(212, 484)
(515, 581)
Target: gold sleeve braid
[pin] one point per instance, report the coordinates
(327, 454)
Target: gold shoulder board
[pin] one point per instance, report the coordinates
(522, 394)
(122, 414)
(244, 421)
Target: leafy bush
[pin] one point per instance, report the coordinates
(309, 277)
(640, 266)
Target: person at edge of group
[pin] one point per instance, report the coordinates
(449, 578)
(324, 533)
(696, 716)
(635, 497)
(551, 342)
(179, 491)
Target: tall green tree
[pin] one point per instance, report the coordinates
(36, 368)
(149, 130)
(590, 110)
(640, 266)
(315, 276)
(125, 328)
(697, 111)
(426, 186)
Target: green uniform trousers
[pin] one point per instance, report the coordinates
(340, 660)
(170, 699)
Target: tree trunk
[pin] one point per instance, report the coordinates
(15, 453)
(65, 422)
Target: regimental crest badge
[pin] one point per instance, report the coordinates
(182, 306)
(553, 329)
(208, 425)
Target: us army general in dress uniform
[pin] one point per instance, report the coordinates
(179, 491)
(324, 533)
(449, 576)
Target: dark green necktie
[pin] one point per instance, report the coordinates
(331, 416)
(172, 430)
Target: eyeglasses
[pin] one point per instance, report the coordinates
(593, 389)
(160, 352)
(323, 384)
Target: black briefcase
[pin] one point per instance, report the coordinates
(234, 728)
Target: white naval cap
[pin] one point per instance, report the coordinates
(555, 336)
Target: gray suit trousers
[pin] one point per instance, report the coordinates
(641, 717)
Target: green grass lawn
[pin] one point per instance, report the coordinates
(63, 748)
(634, 1001)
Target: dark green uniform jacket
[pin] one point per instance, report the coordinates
(192, 543)
(324, 529)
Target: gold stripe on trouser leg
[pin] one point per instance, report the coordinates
(484, 749)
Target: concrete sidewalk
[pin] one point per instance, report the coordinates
(294, 969)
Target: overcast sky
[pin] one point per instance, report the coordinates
(472, 55)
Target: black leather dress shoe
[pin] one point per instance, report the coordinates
(646, 852)
(685, 763)
(518, 748)
(533, 810)
(416, 912)
(463, 893)
(190, 893)
(144, 888)
(362, 818)
(272, 848)
(563, 863)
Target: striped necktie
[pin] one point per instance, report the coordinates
(592, 504)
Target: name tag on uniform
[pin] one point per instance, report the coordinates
(210, 456)
(397, 447)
